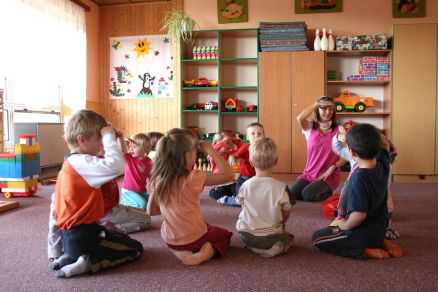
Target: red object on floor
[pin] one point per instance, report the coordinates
(330, 206)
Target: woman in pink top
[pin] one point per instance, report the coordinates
(321, 173)
(175, 191)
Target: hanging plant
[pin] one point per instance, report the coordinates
(180, 25)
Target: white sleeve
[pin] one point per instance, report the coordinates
(54, 245)
(97, 171)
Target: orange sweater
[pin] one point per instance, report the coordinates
(76, 202)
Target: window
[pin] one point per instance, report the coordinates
(43, 59)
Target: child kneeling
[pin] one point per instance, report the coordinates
(266, 204)
(175, 193)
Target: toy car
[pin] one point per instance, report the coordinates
(211, 105)
(189, 83)
(196, 106)
(347, 101)
(212, 83)
(201, 82)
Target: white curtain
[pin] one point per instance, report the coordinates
(43, 52)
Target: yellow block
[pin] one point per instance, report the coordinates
(25, 149)
(22, 184)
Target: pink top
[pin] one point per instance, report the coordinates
(137, 171)
(320, 157)
(182, 218)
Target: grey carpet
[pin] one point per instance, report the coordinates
(24, 265)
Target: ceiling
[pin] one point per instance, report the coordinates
(113, 2)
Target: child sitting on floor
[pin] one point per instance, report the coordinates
(362, 233)
(253, 131)
(339, 147)
(137, 168)
(175, 193)
(265, 204)
(79, 202)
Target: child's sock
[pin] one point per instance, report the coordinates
(256, 250)
(276, 249)
(376, 253)
(82, 265)
(60, 262)
(222, 200)
(205, 253)
(392, 249)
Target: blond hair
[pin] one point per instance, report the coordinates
(85, 122)
(263, 153)
(142, 140)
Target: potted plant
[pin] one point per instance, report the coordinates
(180, 25)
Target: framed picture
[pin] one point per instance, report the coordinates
(322, 6)
(408, 8)
(232, 11)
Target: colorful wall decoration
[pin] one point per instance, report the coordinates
(141, 67)
(321, 6)
(232, 11)
(408, 8)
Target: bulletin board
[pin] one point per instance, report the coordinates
(141, 67)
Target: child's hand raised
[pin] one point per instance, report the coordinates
(107, 129)
(206, 147)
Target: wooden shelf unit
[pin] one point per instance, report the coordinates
(347, 63)
(235, 69)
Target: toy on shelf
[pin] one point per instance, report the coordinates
(205, 52)
(251, 108)
(19, 171)
(347, 101)
(212, 83)
(211, 105)
(189, 83)
(197, 106)
(231, 105)
(201, 82)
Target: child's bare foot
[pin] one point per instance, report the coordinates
(204, 254)
(181, 254)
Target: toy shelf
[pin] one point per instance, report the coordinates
(363, 114)
(358, 53)
(359, 82)
(346, 63)
(235, 69)
(238, 113)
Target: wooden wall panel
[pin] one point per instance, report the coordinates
(131, 116)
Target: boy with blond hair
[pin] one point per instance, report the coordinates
(254, 131)
(79, 202)
(266, 204)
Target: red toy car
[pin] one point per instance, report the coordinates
(201, 82)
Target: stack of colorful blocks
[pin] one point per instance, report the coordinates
(372, 68)
(19, 171)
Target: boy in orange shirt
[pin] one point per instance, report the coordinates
(79, 202)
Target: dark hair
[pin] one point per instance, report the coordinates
(317, 117)
(364, 139)
(154, 136)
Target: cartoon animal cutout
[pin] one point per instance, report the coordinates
(148, 81)
(232, 10)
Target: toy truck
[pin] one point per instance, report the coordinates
(19, 171)
(347, 101)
